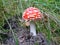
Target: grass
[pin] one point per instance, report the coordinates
(50, 25)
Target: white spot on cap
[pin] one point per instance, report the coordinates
(31, 15)
(35, 11)
(27, 13)
(34, 14)
(30, 11)
(28, 17)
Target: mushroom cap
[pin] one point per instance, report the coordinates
(31, 13)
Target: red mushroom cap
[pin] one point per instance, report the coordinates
(32, 13)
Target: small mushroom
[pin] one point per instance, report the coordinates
(31, 14)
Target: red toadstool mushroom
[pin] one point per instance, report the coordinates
(32, 13)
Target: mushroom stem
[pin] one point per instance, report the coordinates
(33, 29)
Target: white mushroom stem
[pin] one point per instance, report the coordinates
(33, 29)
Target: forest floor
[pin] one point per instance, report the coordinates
(23, 35)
